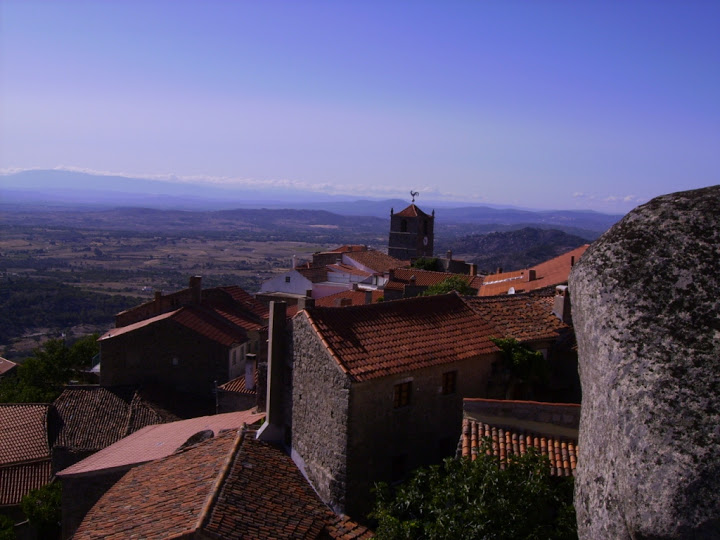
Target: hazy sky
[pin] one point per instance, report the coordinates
(552, 104)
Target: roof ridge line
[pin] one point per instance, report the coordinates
(325, 343)
(219, 481)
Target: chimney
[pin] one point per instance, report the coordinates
(531, 275)
(196, 289)
(473, 269)
(273, 430)
(561, 306)
(448, 256)
(344, 302)
(572, 261)
(499, 270)
(250, 367)
(368, 297)
(412, 279)
(305, 302)
(294, 261)
(157, 302)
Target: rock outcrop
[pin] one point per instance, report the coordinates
(646, 309)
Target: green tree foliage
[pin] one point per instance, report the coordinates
(453, 283)
(523, 364)
(40, 378)
(426, 263)
(43, 508)
(479, 500)
(7, 528)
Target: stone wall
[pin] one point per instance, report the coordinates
(146, 356)
(386, 442)
(320, 397)
(80, 494)
(646, 307)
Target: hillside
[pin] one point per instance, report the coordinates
(513, 250)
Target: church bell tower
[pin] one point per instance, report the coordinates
(411, 232)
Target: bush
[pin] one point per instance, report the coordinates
(43, 508)
(478, 500)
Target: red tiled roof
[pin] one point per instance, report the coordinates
(426, 278)
(23, 432)
(508, 442)
(354, 297)
(93, 417)
(343, 528)
(412, 211)
(6, 365)
(376, 260)
(158, 441)
(394, 337)
(347, 269)
(552, 272)
(266, 496)
(198, 320)
(208, 326)
(525, 317)
(238, 385)
(231, 486)
(246, 301)
(163, 498)
(347, 248)
(19, 479)
(315, 274)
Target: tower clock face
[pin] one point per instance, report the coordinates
(425, 240)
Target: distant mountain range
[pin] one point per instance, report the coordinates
(58, 190)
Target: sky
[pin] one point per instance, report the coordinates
(543, 104)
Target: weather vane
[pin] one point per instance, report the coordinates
(413, 194)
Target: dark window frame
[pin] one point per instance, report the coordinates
(449, 383)
(402, 394)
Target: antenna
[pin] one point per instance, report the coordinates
(413, 194)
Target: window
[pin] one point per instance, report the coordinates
(401, 396)
(449, 382)
(425, 227)
(403, 225)
(287, 279)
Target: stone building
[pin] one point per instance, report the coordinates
(376, 390)
(187, 341)
(412, 233)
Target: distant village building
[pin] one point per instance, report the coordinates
(187, 341)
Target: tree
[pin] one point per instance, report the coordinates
(479, 500)
(41, 377)
(453, 283)
(426, 263)
(522, 365)
(7, 528)
(43, 508)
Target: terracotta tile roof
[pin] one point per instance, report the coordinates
(508, 442)
(210, 327)
(6, 365)
(352, 297)
(315, 274)
(347, 269)
(347, 248)
(412, 211)
(23, 432)
(238, 385)
(394, 337)
(198, 320)
(266, 496)
(426, 278)
(549, 273)
(93, 417)
(163, 498)
(246, 301)
(376, 260)
(343, 528)
(18, 480)
(525, 317)
(231, 486)
(158, 441)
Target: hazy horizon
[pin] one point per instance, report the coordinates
(539, 105)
